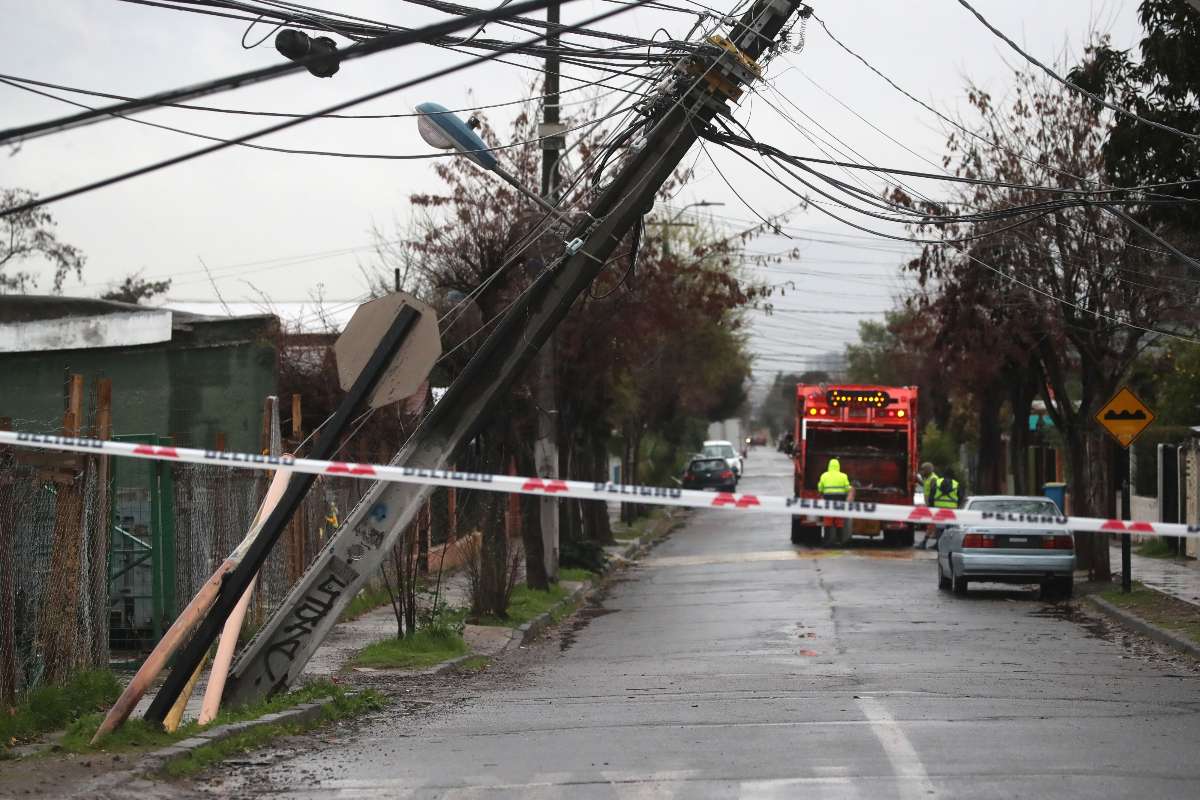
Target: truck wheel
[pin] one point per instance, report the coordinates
(798, 532)
(902, 538)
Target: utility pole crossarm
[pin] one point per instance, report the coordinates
(703, 83)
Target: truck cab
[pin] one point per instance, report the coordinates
(872, 431)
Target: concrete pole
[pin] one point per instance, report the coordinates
(546, 447)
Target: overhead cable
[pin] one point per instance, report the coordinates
(370, 47)
(397, 40)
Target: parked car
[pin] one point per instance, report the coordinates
(709, 473)
(1007, 554)
(716, 448)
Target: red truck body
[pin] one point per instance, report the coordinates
(872, 431)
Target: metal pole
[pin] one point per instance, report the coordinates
(1122, 462)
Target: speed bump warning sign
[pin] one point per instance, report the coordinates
(1125, 416)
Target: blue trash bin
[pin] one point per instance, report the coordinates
(1058, 493)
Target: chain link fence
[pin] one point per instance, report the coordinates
(77, 576)
(54, 615)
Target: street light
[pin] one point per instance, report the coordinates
(443, 130)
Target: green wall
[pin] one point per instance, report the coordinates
(191, 393)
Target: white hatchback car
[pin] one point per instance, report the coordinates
(716, 448)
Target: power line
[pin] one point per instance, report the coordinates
(1073, 86)
(297, 151)
(250, 113)
(396, 41)
(378, 45)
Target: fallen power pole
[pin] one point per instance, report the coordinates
(703, 84)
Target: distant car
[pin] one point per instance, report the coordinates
(709, 473)
(717, 448)
(1007, 554)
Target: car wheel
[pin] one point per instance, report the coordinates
(959, 585)
(943, 581)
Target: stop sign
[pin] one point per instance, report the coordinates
(409, 367)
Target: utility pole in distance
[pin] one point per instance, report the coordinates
(704, 82)
(546, 455)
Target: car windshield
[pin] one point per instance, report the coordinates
(1015, 505)
(707, 464)
(719, 450)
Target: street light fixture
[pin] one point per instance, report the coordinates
(443, 130)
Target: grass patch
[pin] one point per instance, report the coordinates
(138, 734)
(369, 599)
(50, 708)
(526, 604)
(1155, 548)
(474, 664)
(577, 574)
(343, 706)
(423, 649)
(1159, 609)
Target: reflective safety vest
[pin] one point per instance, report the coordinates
(929, 486)
(833, 480)
(945, 493)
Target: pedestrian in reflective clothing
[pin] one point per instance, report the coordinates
(944, 495)
(929, 481)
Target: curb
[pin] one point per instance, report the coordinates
(158, 760)
(1140, 625)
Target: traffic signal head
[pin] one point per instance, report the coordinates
(297, 45)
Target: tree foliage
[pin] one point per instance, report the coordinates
(28, 236)
(657, 341)
(135, 289)
(1059, 305)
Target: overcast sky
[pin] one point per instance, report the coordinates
(283, 224)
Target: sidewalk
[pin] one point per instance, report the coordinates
(1179, 578)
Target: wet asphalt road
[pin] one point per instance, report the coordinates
(730, 664)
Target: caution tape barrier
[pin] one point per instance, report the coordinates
(648, 495)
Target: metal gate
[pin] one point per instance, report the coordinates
(141, 561)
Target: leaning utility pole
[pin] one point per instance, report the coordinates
(703, 83)
(545, 454)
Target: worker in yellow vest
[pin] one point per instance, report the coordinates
(835, 485)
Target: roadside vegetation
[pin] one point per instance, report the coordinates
(51, 708)
(1159, 609)
(343, 706)
(138, 734)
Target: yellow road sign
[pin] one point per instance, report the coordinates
(1125, 417)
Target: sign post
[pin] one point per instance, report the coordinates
(1125, 417)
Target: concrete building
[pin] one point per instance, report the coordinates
(174, 374)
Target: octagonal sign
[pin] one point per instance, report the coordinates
(411, 365)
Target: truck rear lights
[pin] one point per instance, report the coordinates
(979, 540)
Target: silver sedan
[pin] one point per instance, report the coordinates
(1008, 554)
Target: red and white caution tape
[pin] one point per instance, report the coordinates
(649, 495)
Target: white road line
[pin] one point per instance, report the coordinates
(912, 780)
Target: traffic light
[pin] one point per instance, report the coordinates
(297, 45)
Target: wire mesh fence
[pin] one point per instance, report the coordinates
(53, 574)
